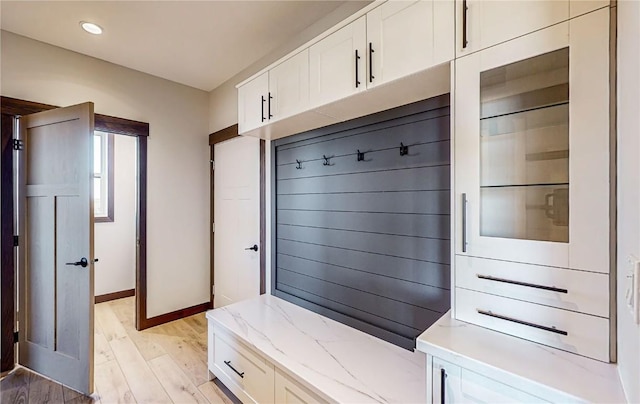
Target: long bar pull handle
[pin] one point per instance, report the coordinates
(443, 386)
(371, 76)
(269, 106)
(357, 62)
(228, 363)
(262, 107)
(519, 283)
(464, 222)
(515, 320)
(465, 8)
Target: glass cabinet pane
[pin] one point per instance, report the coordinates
(524, 149)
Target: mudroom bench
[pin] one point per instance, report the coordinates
(268, 350)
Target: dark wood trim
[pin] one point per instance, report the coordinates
(178, 314)
(263, 218)
(7, 266)
(211, 229)
(141, 248)
(224, 134)
(115, 295)
(110, 182)
(105, 123)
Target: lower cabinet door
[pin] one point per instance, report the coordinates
(289, 392)
(453, 384)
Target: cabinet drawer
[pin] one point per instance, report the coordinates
(585, 292)
(578, 333)
(252, 374)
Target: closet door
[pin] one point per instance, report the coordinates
(532, 148)
(338, 64)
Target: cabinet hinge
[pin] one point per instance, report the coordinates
(16, 337)
(16, 241)
(18, 144)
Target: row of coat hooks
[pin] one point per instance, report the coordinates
(404, 150)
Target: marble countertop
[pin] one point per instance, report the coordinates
(522, 364)
(337, 362)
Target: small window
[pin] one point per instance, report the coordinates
(103, 177)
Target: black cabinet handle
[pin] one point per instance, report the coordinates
(357, 62)
(529, 285)
(443, 386)
(254, 248)
(269, 106)
(464, 222)
(371, 76)
(515, 320)
(262, 107)
(228, 363)
(464, 24)
(82, 263)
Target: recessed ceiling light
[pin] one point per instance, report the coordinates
(91, 28)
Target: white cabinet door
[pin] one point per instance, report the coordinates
(485, 23)
(532, 148)
(289, 392)
(253, 103)
(289, 86)
(337, 64)
(399, 40)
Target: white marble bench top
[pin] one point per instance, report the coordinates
(337, 362)
(521, 363)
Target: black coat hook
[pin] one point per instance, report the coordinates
(404, 150)
(299, 166)
(360, 155)
(326, 160)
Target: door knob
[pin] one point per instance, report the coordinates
(82, 263)
(254, 248)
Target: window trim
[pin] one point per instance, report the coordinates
(110, 183)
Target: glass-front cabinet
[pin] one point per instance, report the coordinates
(532, 148)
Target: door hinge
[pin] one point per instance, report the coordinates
(16, 241)
(213, 227)
(213, 290)
(213, 165)
(18, 144)
(16, 337)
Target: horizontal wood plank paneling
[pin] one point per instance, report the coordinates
(417, 248)
(368, 240)
(417, 294)
(413, 202)
(427, 273)
(433, 226)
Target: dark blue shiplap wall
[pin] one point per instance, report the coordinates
(367, 242)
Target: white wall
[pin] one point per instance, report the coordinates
(115, 242)
(628, 188)
(178, 173)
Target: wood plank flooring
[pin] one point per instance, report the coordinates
(163, 364)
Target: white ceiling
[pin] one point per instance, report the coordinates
(198, 43)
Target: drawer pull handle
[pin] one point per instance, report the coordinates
(514, 320)
(443, 386)
(228, 363)
(529, 285)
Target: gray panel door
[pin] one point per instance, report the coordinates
(56, 294)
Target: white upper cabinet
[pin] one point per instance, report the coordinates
(289, 86)
(253, 98)
(337, 64)
(532, 147)
(404, 37)
(483, 23)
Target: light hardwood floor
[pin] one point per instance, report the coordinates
(162, 364)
